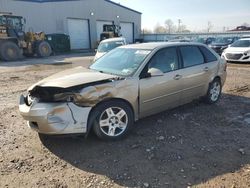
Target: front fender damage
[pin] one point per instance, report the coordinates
(87, 95)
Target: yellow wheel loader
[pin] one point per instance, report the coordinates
(14, 42)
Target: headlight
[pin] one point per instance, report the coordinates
(247, 52)
(30, 99)
(3, 31)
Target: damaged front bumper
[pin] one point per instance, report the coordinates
(55, 118)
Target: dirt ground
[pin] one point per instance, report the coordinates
(195, 145)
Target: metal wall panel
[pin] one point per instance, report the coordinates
(127, 31)
(78, 33)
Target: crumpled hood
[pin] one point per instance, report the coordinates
(72, 77)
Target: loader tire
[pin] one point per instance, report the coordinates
(43, 49)
(9, 51)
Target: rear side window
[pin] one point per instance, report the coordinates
(209, 56)
(191, 55)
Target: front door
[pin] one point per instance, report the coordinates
(158, 93)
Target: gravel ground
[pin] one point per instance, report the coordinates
(195, 145)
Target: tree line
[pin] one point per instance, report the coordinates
(170, 27)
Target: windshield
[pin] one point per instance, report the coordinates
(121, 61)
(14, 22)
(241, 43)
(2, 20)
(223, 40)
(107, 46)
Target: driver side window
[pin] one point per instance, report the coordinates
(165, 60)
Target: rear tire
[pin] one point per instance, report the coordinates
(9, 51)
(113, 120)
(43, 49)
(214, 91)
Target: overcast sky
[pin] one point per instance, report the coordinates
(195, 14)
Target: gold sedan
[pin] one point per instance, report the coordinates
(126, 84)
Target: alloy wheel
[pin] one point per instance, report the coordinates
(215, 91)
(113, 121)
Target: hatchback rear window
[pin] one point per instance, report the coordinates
(191, 55)
(209, 56)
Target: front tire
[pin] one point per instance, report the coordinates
(214, 91)
(43, 49)
(113, 120)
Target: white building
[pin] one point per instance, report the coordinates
(82, 20)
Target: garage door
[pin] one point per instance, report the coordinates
(127, 31)
(99, 27)
(79, 33)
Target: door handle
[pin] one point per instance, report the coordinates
(177, 77)
(206, 69)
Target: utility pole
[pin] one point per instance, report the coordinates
(179, 25)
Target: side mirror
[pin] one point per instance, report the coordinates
(153, 72)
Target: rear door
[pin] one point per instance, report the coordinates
(196, 72)
(160, 92)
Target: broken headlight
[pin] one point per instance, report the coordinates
(29, 99)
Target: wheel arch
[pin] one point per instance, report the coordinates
(215, 78)
(211, 81)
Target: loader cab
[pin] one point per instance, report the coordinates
(110, 31)
(11, 25)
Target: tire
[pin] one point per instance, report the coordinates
(43, 49)
(214, 91)
(9, 51)
(113, 120)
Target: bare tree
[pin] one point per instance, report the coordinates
(223, 29)
(159, 29)
(209, 26)
(183, 29)
(169, 24)
(146, 31)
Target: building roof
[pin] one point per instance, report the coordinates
(117, 4)
(109, 1)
